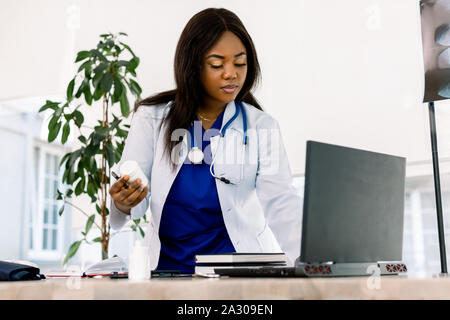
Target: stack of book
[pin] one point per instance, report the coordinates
(206, 264)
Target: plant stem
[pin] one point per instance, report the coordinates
(104, 180)
(79, 209)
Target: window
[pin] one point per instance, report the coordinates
(46, 226)
(421, 241)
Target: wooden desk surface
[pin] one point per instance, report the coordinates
(389, 287)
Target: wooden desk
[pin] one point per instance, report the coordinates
(390, 287)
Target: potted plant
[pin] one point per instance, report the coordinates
(103, 79)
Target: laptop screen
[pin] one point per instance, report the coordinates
(353, 205)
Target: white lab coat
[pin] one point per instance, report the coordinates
(261, 214)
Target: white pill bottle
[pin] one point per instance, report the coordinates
(131, 168)
(139, 262)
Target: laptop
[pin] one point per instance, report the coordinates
(352, 215)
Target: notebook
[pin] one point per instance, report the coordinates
(115, 265)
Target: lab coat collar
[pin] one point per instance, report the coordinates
(237, 124)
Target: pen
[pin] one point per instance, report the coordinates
(125, 184)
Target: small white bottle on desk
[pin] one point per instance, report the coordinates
(139, 265)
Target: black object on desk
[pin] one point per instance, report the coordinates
(116, 275)
(10, 271)
(169, 273)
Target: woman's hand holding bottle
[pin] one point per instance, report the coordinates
(127, 195)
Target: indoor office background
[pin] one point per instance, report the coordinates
(345, 72)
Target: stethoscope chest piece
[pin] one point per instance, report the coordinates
(195, 155)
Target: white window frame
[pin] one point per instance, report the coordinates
(37, 218)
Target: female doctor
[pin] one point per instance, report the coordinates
(218, 173)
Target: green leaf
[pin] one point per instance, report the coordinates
(91, 189)
(69, 193)
(121, 133)
(92, 164)
(110, 154)
(64, 158)
(79, 118)
(65, 175)
(73, 157)
(58, 112)
(72, 251)
(99, 210)
(98, 239)
(85, 65)
(132, 72)
(124, 105)
(91, 149)
(70, 89)
(96, 80)
(100, 68)
(135, 88)
(107, 82)
(142, 232)
(82, 55)
(97, 93)
(100, 134)
(80, 187)
(49, 105)
(58, 195)
(123, 34)
(71, 177)
(117, 89)
(88, 95)
(52, 123)
(99, 55)
(89, 223)
(81, 88)
(134, 62)
(61, 210)
(82, 139)
(123, 63)
(128, 48)
(110, 43)
(66, 132)
(80, 168)
(53, 133)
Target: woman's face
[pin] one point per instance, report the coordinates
(224, 70)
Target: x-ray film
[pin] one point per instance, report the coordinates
(435, 17)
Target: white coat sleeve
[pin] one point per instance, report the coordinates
(280, 201)
(139, 146)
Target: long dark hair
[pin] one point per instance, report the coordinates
(199, 35)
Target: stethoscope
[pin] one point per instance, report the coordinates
(196, 155)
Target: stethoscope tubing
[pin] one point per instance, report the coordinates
(222, 134)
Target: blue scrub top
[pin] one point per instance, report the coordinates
(192, 221)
